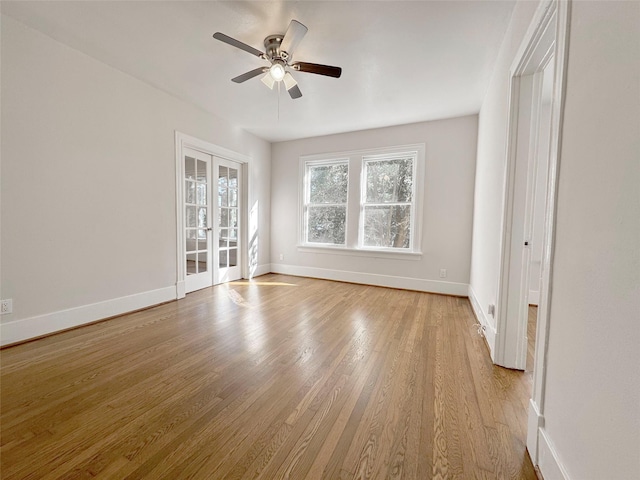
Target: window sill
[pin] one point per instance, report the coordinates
(360, 252)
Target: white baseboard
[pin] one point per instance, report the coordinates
(26, 328)
(534, 297)
(488, 325)
(261, 270)
(181, 289)
(404, 283)
(535, 422)
(548, 461)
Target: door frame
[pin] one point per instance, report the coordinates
(510, 328)
(183, 141)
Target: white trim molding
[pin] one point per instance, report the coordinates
(535, 421)
(403, 283)
(33, 327)
(261, 270)
(548, 460)
(488, 326)
(361, 252)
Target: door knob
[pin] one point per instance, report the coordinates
(209, 229)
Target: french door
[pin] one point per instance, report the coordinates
(228, 223)
(211, 220)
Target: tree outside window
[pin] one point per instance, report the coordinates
(387, 203)
(326, 203)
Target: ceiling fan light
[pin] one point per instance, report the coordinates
(289, 81)
(268, 81)
(277, 71)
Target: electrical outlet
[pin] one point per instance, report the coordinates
(443, 273)
(6, 306)
(281, 256)
(491, 310)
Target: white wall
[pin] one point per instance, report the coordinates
(592, 400)
(490, 172)
(446, 241)
(88, 182)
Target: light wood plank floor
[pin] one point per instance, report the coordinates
(281, 377)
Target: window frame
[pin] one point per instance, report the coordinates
(355, 195)
(363, 198)
(307, 201)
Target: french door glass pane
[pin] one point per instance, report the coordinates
(202, 171)
(190, 168)
(202, 217)
(190, 192)
(202, 261)
(223, 259)
(224, 217)
(233, 178)
(202, 241)
(222, 196)
(191, 216)
(224, 233)
(192, 240)
(201, 193)
(223, 173)
(233, 257)
(192, 263)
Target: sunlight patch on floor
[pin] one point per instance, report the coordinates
(237, 298)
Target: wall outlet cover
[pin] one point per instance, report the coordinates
(6, 306)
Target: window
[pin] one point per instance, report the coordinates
(363, 201)
(326, 202)
(387, 202)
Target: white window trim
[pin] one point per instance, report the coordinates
(305, 200)
(353, 227)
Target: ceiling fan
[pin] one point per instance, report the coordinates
(279, 53)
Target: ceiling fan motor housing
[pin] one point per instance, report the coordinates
(272, 47)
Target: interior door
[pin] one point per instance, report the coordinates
(228, 258)
(198, 253)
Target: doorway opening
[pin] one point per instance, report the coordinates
(534, 215)
(528, 228)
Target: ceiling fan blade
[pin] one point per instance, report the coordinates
(294, 92)
(295, 34)
(318, 69)
(246, 76)
(237, 43)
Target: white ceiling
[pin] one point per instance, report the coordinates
(402, 62)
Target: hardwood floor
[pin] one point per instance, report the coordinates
(280, 377)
